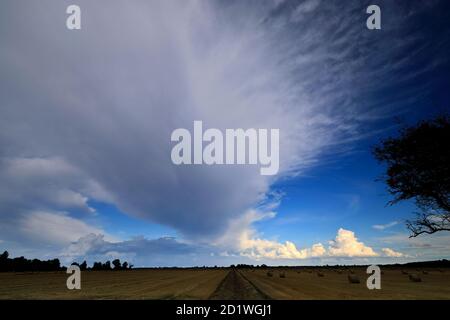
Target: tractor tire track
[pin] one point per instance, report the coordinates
(235, 286)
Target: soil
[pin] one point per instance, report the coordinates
(236, 287)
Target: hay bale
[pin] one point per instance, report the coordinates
(353, 279)
(269, 273)
(425, 272)
(320, 274)
(339, 271)
(415, 278)
(404, 272)
(351, 271)
(282, 275)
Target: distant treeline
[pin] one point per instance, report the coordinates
(21, 264)
(423, 264)
(108, 265)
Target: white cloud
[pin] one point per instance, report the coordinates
(54, 228)
(244, 239)
(98, 125)
(347, 245)
(165, 251)
(385, 226)
(430, 247)
(305, 7)
(188, 63)
(391, 253)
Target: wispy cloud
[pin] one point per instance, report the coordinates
(98, 125)
(385, 226)
(391, 253)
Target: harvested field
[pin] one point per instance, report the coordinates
(236, 287)
(134, 284)
(228, 284)
(394, 285)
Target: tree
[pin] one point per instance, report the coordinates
(107, 265)
(418, 168)
(97, 266)
(117, 265)
(125, 265)
(83, 266)
(4, 256)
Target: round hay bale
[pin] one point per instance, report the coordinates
(353, 278)
(320, 274)
(425, 272)
(269, 273)
(415, 278)
(282, 275)
(404, 272)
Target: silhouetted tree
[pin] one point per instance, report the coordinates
(125, 265)
(97, 266)
(4, 256)
(107, 265)
(4, 261)
(21, 264)
(418, 168)
(117, 265)
(83, 266)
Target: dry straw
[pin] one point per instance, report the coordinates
(415, 278)
(353, 279)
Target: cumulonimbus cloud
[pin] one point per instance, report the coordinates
(104, 100)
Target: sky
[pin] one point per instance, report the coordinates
(86, 118)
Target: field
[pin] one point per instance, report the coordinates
(134, 284)
(227, 284)
(334, 285)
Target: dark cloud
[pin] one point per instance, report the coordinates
(102, 102)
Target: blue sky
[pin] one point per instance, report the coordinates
(86, 118)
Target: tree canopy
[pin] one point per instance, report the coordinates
(418, 168)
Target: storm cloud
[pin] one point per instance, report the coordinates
(87, 115)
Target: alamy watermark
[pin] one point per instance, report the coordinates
(235, 146)
(374, 280)
(74, 280)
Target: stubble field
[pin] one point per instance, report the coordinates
(227, 284)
